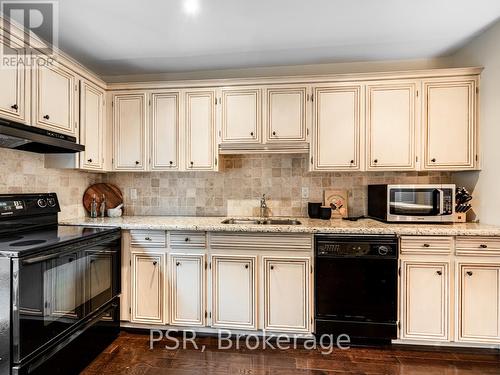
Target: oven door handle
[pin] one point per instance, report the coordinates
(44, 258)
(441, 202)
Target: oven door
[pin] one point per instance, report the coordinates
(54, 291)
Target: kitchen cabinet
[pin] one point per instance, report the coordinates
(165, 125)
(14, 81)
(187, 273)
(129, 132)
(148, 285)
(449, 121)
(390, 126)
(286, 114)
(425, 300)
(479, 302)
(233, 291)
(286, 294)
(92, 126)
(54, 94)
(336, 128)
(200, 130)
(241, 115)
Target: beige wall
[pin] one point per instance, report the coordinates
(235, 190)
(485, 51)
(24, 172)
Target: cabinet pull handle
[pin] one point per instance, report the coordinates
(178, 264)
(483, 246)
(46, 117)
(469, 273)
(155, 263)
(427, 245)
(439, 272)
(246, 266)
(433, 160)
(186, 239)
(148, 238)
(137, 162)
(272, 267)
(89, 160)
(14, 107)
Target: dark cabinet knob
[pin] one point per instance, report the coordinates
(148, 238)
(274, 133)
(439, 272)
(272, 267)
(137, 162)
(469, 273)
(192, 164)
(483, 246)
(46, 117)
(246, 266)
(375, 161)
(155, 263)
(171, 162)
(251, 133)
(427, 245)
(14, 107)
(433, 160)
(186, 239)
(178, 264)
(352, 161)
(89, 160)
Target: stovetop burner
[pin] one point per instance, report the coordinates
(27, 243)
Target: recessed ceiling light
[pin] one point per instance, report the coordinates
(191, 7)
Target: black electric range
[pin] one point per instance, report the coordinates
(59, 287)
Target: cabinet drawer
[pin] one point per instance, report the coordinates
(147, 238)
(426, 245)
(188, 240)
(478, 246)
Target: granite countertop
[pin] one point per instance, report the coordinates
(335, 226)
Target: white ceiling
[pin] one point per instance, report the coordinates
(116, 37)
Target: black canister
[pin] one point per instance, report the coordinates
(313, 210)
(325, 213)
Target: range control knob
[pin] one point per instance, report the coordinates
(42, 203)
(51, 202)
(383, 250)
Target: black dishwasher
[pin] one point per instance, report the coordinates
(356, 287)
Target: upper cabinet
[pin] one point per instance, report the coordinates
(449, 123)
(241, 115)
(54, 93)
(129, 131)
(286, 114)
(390, 126)
(336, 128)
(14, 85)
(164, 131)
(92, 126)
(200, 130)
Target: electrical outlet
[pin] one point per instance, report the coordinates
(305, 192)
(133, 194)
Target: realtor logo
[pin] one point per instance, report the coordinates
(37, 17)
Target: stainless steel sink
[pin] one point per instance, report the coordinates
(262, 221)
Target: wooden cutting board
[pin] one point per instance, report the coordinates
(112, 193)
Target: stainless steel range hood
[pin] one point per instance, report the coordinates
(27, 138)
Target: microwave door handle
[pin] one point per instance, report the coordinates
(441, 202)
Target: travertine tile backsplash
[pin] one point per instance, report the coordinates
(235, 190)
(24, 172)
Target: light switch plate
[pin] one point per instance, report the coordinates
(305, 192)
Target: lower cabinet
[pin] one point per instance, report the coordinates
(234, 292)
(425, 300)
(187, 279)
(479, 295)
(148, 287)
(286, 294)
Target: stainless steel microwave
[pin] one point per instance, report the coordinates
(412, 203)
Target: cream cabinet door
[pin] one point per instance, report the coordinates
(241, 115)
(390, 126)
(91, 126)
(200, 130)
(286, 294)
(129, 131)
(165, 140)
(479, 303)
(285, 114)
(187, 289)
(425, 301)
(450, 124)
(336, 128)
(14, 85)
(54, 92)
(233, 292)
(148, 285)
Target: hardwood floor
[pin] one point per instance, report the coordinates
(130, 354)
